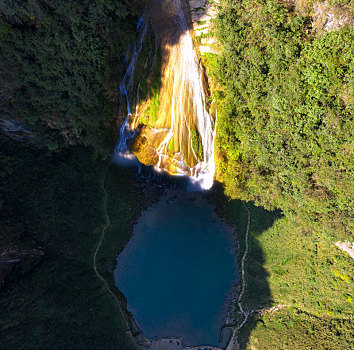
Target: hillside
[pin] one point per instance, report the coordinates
(285, 103)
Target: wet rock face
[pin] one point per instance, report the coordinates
(170, 7)
(145, 143)
(15, 130)
(161, 13)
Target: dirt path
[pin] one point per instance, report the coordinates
(244, 259)
(233, 343)
(94, 263)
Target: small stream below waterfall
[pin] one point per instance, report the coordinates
(178, 269)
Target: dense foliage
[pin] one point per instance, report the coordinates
(285, 141)
(296, 330)
(60, 303)
(286, 113)
(300, 287)
(60, 66)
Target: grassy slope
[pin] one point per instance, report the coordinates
(285, 266)
(313, 277)
(292, 330)
(62, 304)
(293, 260)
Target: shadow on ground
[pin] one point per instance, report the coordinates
(257, 294)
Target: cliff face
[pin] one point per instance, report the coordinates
(16, 130)
(203, 15)
(326, 16)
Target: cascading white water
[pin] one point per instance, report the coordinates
(185, 109)
(204, 171)
(125, 132)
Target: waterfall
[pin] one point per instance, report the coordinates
(167, 123)
(125, 132)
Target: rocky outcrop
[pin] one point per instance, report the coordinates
(329, 18)
(347, 247)
(324, 16)
(203, 13)
(172, 343)
(16, 130)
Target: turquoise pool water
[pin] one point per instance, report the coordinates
(178, 269)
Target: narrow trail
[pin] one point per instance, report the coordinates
(233, 343)
(94, 263)
(244, 259)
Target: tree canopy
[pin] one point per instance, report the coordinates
(60, 64)
(286, 113)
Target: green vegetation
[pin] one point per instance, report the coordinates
(171, 145)
(349, 3)
(143, 67)
(197, 144)
(306, 271)
(126, 200)
(285, 126)
(307, 279)
(149, 78)
(155, 88)
(154, 106)
(285, 120)
(284, 141)
(60, 66)
(288, 266)
(61, 303)
(295, 330)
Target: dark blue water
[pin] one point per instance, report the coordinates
(178, 269)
